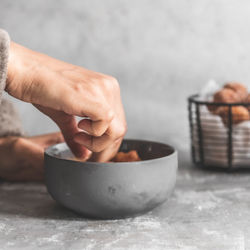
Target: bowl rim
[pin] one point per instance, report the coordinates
(107, 164)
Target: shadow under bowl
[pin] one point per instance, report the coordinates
(114, 189)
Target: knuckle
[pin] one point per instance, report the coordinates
(107, 85)
(109, 115)
(77, 86)
(120, 133)
(124, 129)
(96, 132)
(115, 83)
(112, 79)
(110, 83)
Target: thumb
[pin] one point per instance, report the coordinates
(68, 126)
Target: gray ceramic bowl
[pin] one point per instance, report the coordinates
(112, 190)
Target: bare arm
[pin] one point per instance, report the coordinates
(63, 91)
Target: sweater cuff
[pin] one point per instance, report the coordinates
(4, 56)
(10, 123)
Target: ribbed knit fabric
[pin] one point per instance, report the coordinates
(9, 120)
(4, 55)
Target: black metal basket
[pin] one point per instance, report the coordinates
(218, 141)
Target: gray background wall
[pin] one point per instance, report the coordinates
(160, 51)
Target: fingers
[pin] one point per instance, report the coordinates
(95, 144)
(107, 154)
(93, 99)
(103, 148)
(47, 139)
(99, 143)
(95, 96)
(69, 128)
(94, 128)
(105, 145)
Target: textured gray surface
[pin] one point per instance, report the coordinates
(160, 51)
(208, 210)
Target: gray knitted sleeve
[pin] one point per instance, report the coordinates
(9, 120)
(4, 55)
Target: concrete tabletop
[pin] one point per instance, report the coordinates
(208, 210)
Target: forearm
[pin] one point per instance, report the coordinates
(29, 72)
(63, 91)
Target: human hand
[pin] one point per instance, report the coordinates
(63, 91)
(22, 157)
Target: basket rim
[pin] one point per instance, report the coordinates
(192, 99)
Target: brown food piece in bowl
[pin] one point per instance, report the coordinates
(126, 157)
(238, 88)
(239, 114)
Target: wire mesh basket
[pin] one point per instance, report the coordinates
(220, 133)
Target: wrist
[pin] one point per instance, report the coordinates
(11, 65)
(21, 70)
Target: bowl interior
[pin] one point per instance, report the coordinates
(147, 150)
